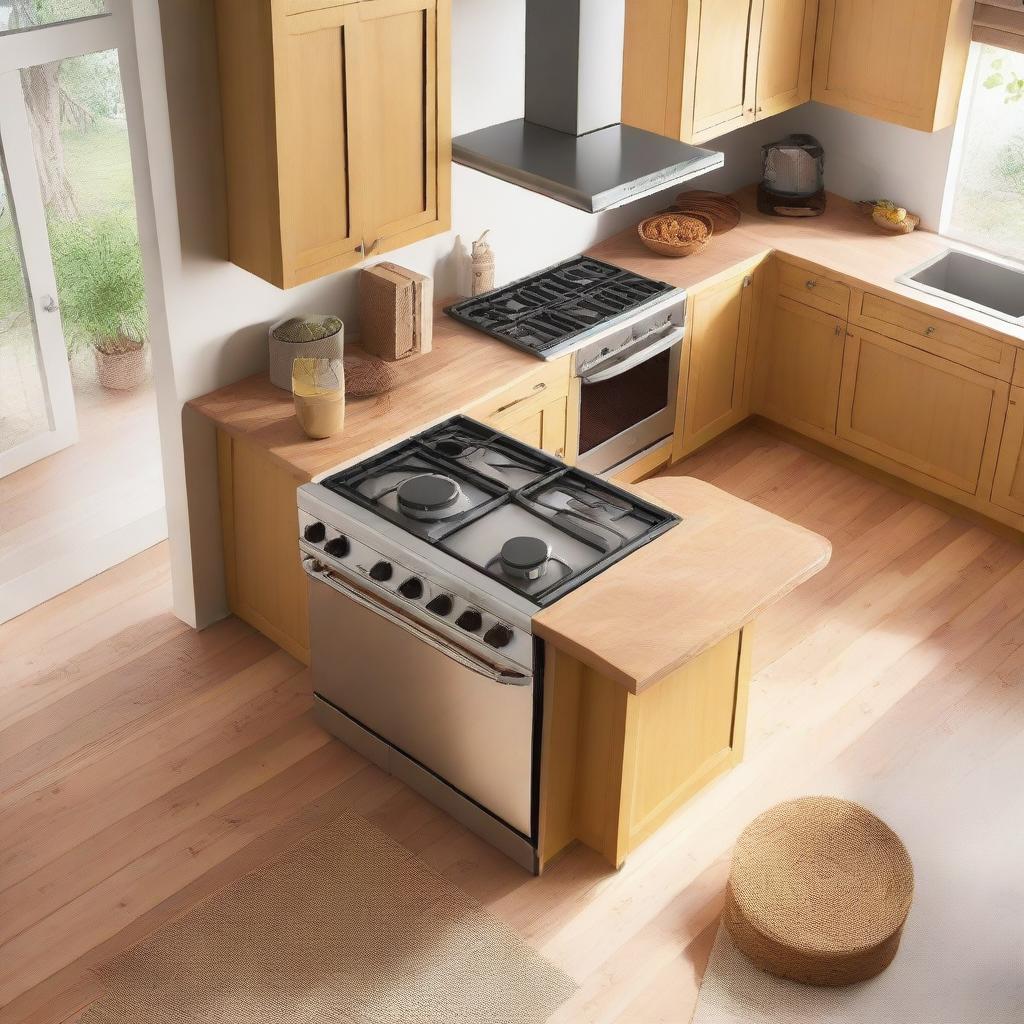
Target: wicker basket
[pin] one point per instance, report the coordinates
(701, 225)
(320, 346)
(819, 892)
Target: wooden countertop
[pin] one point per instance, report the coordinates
(681, 594)
(464, 367)
(843, 240)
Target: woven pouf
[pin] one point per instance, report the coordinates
(819, 891)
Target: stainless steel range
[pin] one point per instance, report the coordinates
(427, 563)
(626, 333)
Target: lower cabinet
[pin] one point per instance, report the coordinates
(908, 409)
(537, 410)
(616, 765)
(714, 389)
(260, 527)
(800, 367)
(1008, 486)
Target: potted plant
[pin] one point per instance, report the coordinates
(102, 295)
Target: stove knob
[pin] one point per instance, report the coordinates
(381, 571)
(315, 532)
(498, 635)
(440, 605)
(412, 588)
(470, 620)
(338, 547)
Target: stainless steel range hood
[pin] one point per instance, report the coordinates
(570, 145)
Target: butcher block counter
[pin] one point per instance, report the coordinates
(675, 598)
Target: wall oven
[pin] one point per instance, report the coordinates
(628, 386)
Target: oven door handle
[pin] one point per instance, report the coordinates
(612, 368)
(507, 677)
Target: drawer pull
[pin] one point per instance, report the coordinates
(839, 329)
(537, 389)
(811, 285)
(929, 331)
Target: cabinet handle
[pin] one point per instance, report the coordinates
(537, 389)
(748, 281)
(839, 329)
(929, 331)
(811, 285)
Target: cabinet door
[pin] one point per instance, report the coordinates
(259, 519)
(799, 368)
(887, 59)
(785, 55)
(1008, 487)
(545, 428)
(724, 53)
(918, 411)
(405, 134)
(715, 395)
(317, 69)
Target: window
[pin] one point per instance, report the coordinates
(985, 191)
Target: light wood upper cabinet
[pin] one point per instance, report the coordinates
(799, 368)
(785, 55)
(696, 69)
(714, 392)
(896, 60)
(1008, 486)
(920, 412)
(318, 171)
(725, 66)
(402, 79)
(337, 134)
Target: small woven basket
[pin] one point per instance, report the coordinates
(311, 336)
(699, 227)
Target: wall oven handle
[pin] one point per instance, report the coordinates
(609, 369)
(320, 573)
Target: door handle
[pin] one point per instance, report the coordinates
(49, 304)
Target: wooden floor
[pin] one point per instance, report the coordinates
(143, 766)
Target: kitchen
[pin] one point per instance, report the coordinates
(873, 399)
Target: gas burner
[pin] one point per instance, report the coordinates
(544, 312)
(429, 496)
(526, 558)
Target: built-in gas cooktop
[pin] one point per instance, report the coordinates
(508, 510)
(560, 307)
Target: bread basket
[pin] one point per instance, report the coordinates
(691, 231)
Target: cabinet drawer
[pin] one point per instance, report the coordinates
(933, 334)
(550, 381)
(918, 411)
(813, 289)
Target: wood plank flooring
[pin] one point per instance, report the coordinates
(143, 766)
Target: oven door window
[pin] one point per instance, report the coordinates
(610, 407)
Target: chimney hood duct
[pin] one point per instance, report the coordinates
(570, 145)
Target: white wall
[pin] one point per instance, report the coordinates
(868, 159)
(218, 313)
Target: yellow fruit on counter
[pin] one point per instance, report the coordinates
(890, 211)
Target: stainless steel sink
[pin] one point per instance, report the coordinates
(989, 285)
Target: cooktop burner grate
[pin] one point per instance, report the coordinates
(552, 307)
(471, 491)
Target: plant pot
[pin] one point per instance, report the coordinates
(121, 370)
(284, 353)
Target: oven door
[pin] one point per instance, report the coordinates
(468, 721)
(628, 401)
